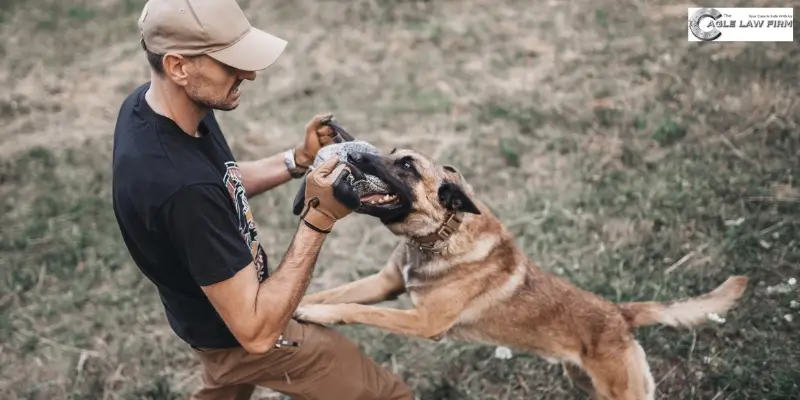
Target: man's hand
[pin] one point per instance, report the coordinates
(329, 196)
(317, 137)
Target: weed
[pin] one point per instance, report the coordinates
(668, 132)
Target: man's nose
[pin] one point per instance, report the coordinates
(249, 75)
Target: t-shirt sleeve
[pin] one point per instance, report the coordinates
(204, 233)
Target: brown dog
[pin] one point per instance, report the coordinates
(468, 280)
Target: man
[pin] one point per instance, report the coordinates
(181, 202)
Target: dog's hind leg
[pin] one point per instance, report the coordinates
(640, 363)
(384, 285)
(579, 377)
(621, 375)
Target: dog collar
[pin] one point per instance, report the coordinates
(440, 235)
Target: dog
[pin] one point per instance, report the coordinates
(468, 280)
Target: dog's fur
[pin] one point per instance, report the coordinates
(481, 287)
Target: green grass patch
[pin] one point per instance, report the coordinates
(704, 197)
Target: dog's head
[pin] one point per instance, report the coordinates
(421, 196)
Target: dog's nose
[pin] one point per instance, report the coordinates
(355, 158)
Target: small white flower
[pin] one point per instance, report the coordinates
(716, 318)
(699, 375)
(503, 353)
(736, 222)
(781, 287)
(788, 317)
(794, 304)
(792, 281)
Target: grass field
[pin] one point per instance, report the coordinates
(635, 163)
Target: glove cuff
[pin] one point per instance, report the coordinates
(315, 218)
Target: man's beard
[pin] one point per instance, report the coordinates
(212, 104)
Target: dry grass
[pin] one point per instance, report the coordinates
(637, 164)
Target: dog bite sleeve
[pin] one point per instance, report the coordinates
(359, 182)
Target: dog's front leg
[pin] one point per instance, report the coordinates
(432, 316)
(414, 322)
(384, 285)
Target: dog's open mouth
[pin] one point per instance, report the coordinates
(375, 193)
(382, 195)
(380, 199)
(385, 199)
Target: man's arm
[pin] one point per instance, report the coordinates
(264, 174)
(206, 237)
(257, 313)
(261, 175)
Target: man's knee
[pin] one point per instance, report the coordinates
(373, 383)
(354, 372)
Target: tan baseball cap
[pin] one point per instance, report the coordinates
(217, 28)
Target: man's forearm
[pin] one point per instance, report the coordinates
(257, 313)
(278, 296)
(261, 175)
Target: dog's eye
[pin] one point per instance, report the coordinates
(406, 163)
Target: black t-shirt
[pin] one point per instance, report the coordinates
(183, 214)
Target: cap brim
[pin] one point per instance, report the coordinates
(256, 51)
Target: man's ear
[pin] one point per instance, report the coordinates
(453, 198)
(176, 68)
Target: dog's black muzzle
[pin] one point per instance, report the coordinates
(375, 165)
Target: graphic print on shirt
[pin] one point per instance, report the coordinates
(247, 225)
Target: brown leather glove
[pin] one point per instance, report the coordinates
(317, 136)
(329, 196)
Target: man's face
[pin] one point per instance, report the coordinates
(214, 85)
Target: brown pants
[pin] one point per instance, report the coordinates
(325, 365)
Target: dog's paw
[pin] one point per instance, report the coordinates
(318, 313)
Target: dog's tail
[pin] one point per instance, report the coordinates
(688, 312)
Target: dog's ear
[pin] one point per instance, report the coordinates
(453, 198)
